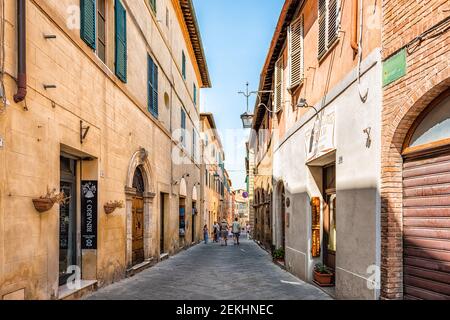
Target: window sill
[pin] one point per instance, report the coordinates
(294, 89)
(331, 47)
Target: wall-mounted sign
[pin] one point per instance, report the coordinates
(394, 68)
(89, 198)
(245, 195)
(320, 140)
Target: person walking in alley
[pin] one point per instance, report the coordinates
(216, 231)
(205, 233)
(224, 232)
(236, 229)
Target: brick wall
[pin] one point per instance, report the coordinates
(428, 75)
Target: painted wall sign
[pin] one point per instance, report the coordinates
(321, 140)
(89, 198)
(394, 68)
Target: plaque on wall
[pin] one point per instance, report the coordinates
(89, 198)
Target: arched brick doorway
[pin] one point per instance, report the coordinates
(398, 122)
(426, 204)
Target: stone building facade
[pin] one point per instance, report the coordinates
(415, 150)
(109, 86)
(213, 171)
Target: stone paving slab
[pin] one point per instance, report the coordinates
(213, 272)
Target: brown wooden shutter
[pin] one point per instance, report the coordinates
(278, 84)
(296, 52)
(322, 42)
(315, 227)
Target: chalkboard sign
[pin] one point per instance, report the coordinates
(89, 215)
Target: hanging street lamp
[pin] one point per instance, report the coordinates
(247, 118)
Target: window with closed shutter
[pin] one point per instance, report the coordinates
(101, 27)
(121, 41)
(88, 12)
(333, 20)
(296, 52)
(278, 84)
(329, 22)
(322, 27)
(183, 127)
(152, 87)
(183, 65)
(153, 5)
(195, 94)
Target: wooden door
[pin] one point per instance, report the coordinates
(426, 227)
(138, 230)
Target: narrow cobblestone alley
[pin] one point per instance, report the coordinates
(213, 272)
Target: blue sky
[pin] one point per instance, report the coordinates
(236, 37)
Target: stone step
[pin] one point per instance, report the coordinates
(86, 287)
(140, 267)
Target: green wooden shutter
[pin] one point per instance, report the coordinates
(183, 126)
(121, 41)
(152, 87)
(183, 65)
(155, 90)
(195, 94)
(153, 5)
(88, 26)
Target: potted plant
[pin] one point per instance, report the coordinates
(46, 202)
(278, 254)
(323, 275)
(111, 206)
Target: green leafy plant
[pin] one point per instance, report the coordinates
(278, 254)
(322, 269)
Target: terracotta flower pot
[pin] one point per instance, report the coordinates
(43, 205)
(109, 209)
(323, 278)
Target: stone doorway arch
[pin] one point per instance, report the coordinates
(139, 161)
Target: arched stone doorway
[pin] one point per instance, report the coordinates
(139, 192)
(138, 218)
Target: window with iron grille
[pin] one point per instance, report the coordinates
(296, 52)
(329, 22)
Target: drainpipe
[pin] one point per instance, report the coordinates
(22, 52)
(354, 38)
